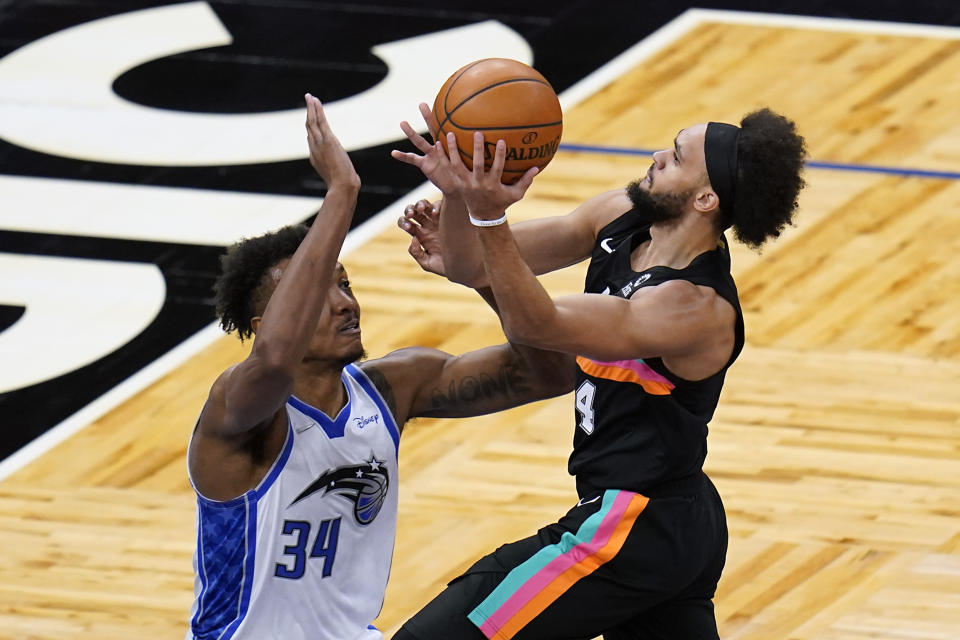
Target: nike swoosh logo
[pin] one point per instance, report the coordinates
(593, 499)
(603, 243)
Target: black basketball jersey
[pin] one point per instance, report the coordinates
(637, 424)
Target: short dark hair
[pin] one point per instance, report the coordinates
(771, 156)
(244, 286)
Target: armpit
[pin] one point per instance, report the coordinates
(386, 390)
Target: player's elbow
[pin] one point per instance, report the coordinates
(526, 331)
(560, 377)
(254, 400)
(274, 362)
(459, 273)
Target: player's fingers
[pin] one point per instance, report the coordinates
(416, 251)
(421, 234)
(315, 136)
(424, 213)
(307, 101)
(453, 151)
(415, 137)
(319, 117)
(433, 219)
(478, 155)
(521, 185)
(407, 158)
(411, 210)
(424, 206)
(318, 129)
(499, 159)
(419, 217)
(428, 119)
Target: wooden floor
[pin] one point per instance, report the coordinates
(836, 447)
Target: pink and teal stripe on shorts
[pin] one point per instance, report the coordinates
(535, 584)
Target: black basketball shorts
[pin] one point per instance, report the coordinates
(619, 564)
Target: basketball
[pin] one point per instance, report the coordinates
(505, 99)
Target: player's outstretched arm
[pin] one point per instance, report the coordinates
(433, 383)
(546, 244)
(674, 320)
(423, 382)
(250, 393)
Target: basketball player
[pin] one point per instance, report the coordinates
(640, 554)
(294, 456)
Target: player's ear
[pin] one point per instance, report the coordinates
(706, 200)
(255, 323)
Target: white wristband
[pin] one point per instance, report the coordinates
(487, 223)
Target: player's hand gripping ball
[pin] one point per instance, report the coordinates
(504, 99)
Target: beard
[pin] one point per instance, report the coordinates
(339, 360)
(354, 356)
(657, 208)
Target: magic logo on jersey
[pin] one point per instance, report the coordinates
(365, 485)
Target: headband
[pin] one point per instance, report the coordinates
(720, 153)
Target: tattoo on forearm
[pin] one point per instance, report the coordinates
(483, 387)
(383, 386)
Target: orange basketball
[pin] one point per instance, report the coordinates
(505, 99)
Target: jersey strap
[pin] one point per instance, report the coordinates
(389, 422)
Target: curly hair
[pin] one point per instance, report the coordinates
(771, 156)
(244, 286)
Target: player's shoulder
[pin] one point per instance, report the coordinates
(603, 208)
(405, 366)
(399, 375)
(613, 197)
(688, 298)
(677, 292)
(615, 201)
(404, 358)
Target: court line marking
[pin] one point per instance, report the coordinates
(177, 356)
(586, 87)
(812, 164)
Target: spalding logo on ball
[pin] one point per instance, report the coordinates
(506, 100)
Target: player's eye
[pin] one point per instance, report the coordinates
(345, 284)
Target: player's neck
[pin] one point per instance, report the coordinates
(321, 387)
(675, 244)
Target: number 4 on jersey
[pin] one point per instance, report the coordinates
(584, 405)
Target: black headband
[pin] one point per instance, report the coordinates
(720, 153)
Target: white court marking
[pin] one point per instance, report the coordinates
(56, 93)
(139, 212)
(77, 310)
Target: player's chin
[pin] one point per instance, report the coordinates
(354, 352)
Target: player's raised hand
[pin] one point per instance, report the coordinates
(434, 163)
(483, 192)
(422, 222)
(327, 155)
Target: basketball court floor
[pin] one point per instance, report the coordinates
(137, 139)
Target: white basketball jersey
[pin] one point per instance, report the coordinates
(305, 555)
